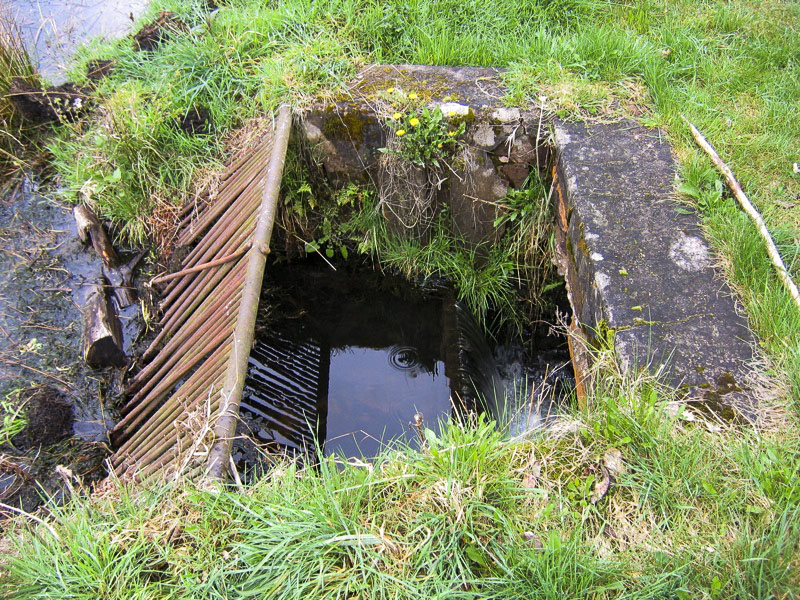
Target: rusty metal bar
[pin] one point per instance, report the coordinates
(206, 343)
(202, 266)
(243, 335)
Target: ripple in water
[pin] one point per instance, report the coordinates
(404, 358)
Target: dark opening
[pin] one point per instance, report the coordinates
(345, 359)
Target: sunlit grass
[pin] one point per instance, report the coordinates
(695, 510)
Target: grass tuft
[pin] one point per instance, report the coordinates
(692, 509)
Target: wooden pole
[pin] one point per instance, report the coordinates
(202, 267)
(751, 211)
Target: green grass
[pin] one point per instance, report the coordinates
(729, 67)
(696, 511)
(699, 511)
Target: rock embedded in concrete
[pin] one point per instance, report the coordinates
(499, 147)
(641, 267)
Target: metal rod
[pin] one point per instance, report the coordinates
(203, 266)
(243, 336)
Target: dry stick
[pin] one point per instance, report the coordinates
(33, 517)
(203, 266)
(750, 210)
(35, 370)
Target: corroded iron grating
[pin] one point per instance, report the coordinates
(183, 406)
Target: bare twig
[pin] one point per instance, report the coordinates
(751, 211)
(33, 517)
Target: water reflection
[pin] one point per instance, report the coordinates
(348, 362)
(53, 29)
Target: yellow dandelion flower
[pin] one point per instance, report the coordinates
(452, 113)
(390, 90)
(400, 132)
(414, 122)
(439, 146)
(412, 96)
(397, 116)
(452, 134)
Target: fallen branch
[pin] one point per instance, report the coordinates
(90, 229)
(774, 255)
(102, 331)
(32, 517)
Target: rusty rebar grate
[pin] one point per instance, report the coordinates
(184, 403)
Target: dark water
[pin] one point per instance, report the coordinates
(46, 275)
(347, 359)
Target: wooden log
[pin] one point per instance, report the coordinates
(91, 230)
(102, 331)
(121, 280)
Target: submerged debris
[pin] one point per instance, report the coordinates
(48, 418)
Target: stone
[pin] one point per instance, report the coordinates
(515, 174)
(640, 267)
(473, 198)
(346, 137)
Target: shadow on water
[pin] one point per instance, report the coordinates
(347, 358)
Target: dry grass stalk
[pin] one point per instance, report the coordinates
(14, 62)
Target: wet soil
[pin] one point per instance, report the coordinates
(38, 105)
(196, 121)
(165, 25)
(45, 278)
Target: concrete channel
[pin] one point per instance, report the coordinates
(640, 275)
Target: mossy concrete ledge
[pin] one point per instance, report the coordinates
(499, 148)
(639, 270)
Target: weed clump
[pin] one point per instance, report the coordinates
(636, 497)
(15, 65)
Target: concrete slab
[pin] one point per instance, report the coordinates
(639, 267)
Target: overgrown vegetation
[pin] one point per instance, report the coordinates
(696, 508)
(729, 67)
(504, 281)
(638, 498)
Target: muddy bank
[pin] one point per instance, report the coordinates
(46, 275)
